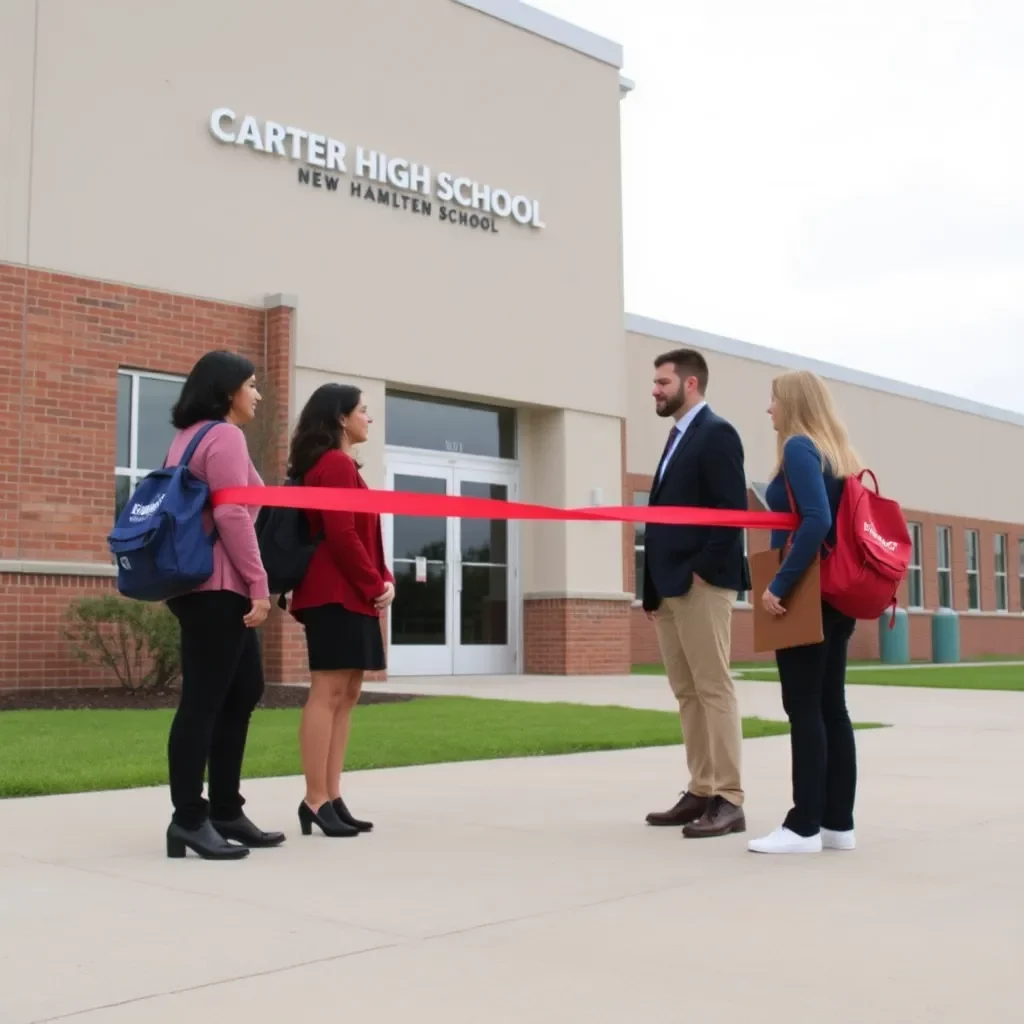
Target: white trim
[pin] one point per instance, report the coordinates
(916, 531)
(133, 471)
(680, 335)
(279, 299)
(578, 595)
(1001, 579)
(547, 26)
(947, 569)
(29, 567)
(453, 658)
(626, 86)
(134, 371)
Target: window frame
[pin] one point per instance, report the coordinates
(744, 596)
(916, 548)
(944, 552)
(973, 555)
(1001, 577)
(639, 530)
(1020, 570)
(133, 471)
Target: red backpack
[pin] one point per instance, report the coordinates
(863, 572)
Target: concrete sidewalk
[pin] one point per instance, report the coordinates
(531, 891)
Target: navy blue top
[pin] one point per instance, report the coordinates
(817, 492)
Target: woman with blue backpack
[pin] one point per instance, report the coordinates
(221, 668)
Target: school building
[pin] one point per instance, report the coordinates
(421, 197)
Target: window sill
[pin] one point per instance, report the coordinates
(968, 614)
(745, 605)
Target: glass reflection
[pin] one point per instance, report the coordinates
(484, 540)
(441, 425)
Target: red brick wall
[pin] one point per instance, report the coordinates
(573, 636)
(985, 634)
(69, 336)
(33, 652)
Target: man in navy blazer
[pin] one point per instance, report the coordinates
(692, 575)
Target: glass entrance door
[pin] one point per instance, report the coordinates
(484, 640)
(456, 604)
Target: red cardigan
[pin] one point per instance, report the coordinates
(348, 566)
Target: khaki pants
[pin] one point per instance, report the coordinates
(694, 634)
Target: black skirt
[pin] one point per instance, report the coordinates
(338, 639)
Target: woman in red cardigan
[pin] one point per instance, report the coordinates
(339, 602)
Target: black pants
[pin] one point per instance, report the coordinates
(821, 738)
(221, 683)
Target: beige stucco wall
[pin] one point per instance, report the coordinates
(928, 457)
(17, 31)
(128, 183)
(566, 456)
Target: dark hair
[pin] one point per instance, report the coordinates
(319, 427)
(207, 393)
(688, 362)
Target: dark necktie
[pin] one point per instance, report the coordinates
(664, 455)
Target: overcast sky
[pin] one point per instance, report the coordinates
(840, 180)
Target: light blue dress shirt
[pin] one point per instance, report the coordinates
(680, 429)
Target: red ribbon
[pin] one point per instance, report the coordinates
(403, 503)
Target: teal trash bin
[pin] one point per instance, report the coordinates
(894, 644)
(945, 637)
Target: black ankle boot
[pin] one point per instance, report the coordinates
(345, 816)
(325, 819)
(205, 841)
(242, 829)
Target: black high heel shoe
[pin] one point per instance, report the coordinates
(345, 816)
(206, 841)
(326, 820)
(243, 830)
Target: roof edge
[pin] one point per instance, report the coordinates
(680, 335)
(547, 26)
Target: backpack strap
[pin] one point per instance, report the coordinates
(792, 508)
(825, 546)
(186, 456)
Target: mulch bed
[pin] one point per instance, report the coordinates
(116, 698)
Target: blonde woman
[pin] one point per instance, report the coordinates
(814, 458)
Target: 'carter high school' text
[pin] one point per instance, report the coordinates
(328, 154)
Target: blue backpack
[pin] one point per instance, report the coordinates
(159, 541)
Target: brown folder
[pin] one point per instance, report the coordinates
(802, 622)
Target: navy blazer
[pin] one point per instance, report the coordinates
(706, 471)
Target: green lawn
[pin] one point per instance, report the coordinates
(946, 677)
(44, 752)
(943, 677)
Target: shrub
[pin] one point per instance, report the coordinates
(138, 641)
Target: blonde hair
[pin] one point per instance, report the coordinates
(803, 405)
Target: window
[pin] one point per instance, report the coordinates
(973, 572)
(1002, 591)
(144, 430)
(915, 574)
(445, 425)
(744, 595)
(639, 498)
(1020, 570)
(945, 567)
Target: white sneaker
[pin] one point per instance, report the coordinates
(838, 840)
(784, 841)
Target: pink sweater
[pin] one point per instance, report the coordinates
(222, 460)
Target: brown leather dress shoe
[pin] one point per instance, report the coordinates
(688, 808)
(720, 819)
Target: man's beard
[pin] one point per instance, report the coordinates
(670, 408)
